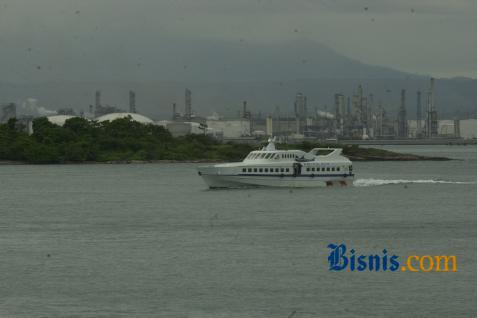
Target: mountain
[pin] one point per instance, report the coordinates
(223, 74)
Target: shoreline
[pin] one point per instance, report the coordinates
(404, 157)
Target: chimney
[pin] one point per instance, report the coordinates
(132, 102)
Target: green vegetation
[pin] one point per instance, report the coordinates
(80, 140)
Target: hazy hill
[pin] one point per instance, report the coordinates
(223, 74)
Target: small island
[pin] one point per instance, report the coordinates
(125, 141)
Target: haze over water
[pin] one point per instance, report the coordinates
(150, 240)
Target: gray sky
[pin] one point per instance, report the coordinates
(47, 39)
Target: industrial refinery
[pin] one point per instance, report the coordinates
(358, 118)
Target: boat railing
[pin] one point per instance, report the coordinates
(332, 152)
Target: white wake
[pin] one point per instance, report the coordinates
(378, 182)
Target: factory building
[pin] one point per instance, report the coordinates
(230, 128)
(179, 129)
(468, 128)
(450, 128)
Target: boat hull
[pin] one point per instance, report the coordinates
(288, 181)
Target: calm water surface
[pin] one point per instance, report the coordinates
(152, 241)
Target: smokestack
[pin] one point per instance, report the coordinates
(188, 104)
(244, 114)
(457, 128)
(419, 114)
(403, 99)
(132, 102)
(402, 116)
(269, 126)
(432, 93)
(174, 111)
(97, 100)
(431, 120)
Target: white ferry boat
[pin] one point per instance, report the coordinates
(270, 167)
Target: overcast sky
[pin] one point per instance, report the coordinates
(435, 37)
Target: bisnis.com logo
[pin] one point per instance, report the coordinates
(340, 259)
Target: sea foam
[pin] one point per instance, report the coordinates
(377, 182)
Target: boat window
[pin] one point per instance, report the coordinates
(282, 169)
(328, 169)
(266, 169)
(254, 169)
(338, 169)
(307, 169)
(249, 169)
(244, 170)
(322, 168)
(287, 170)
(276, 170)
(313, 169)
(333, 169)
(261, 170)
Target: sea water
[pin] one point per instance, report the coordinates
(150, 240)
